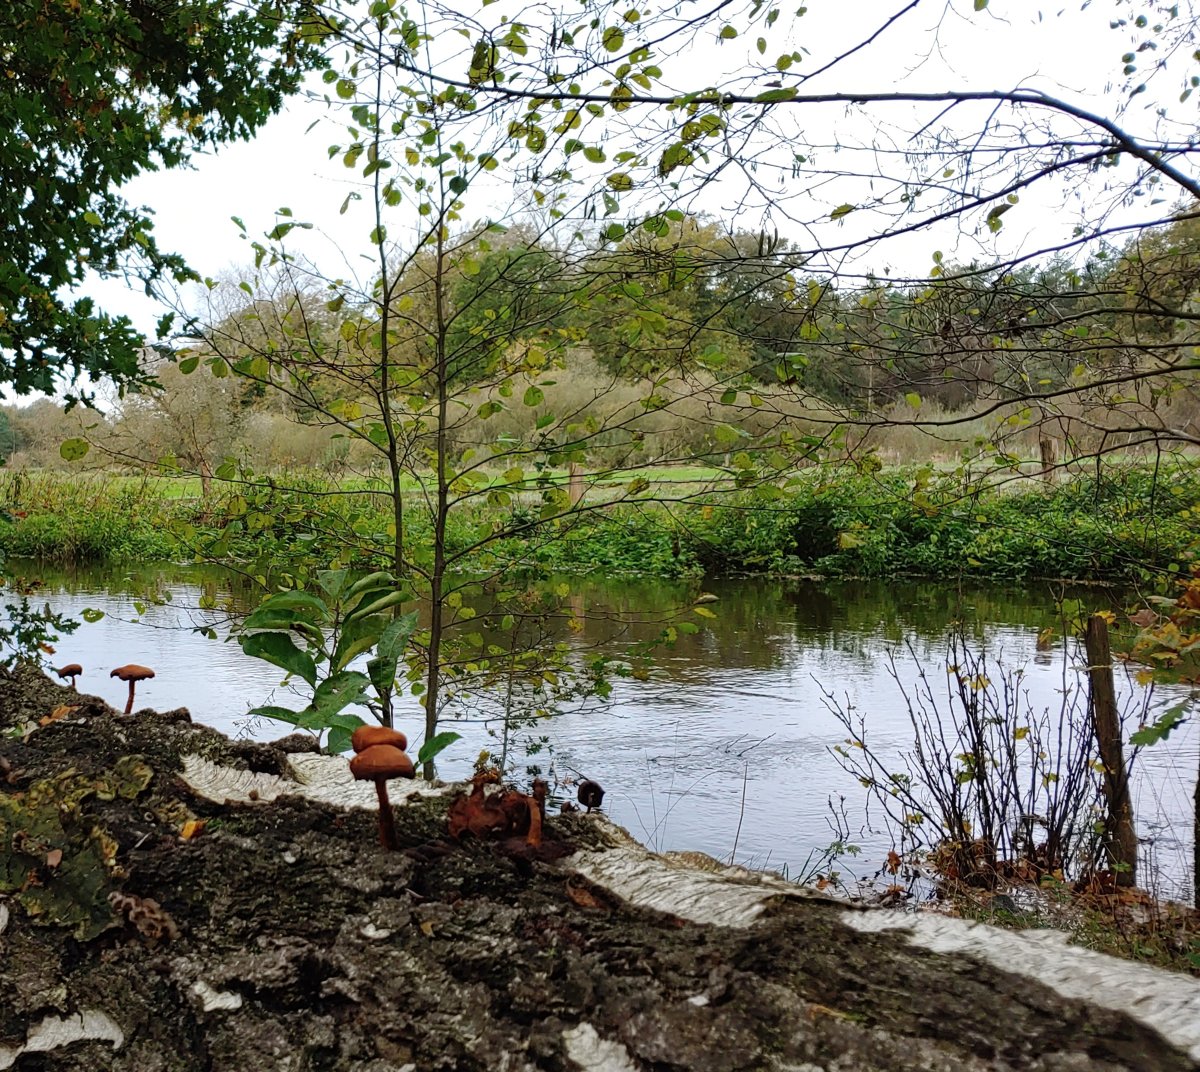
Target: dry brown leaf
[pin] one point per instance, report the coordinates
(61, 711)
(193, 828)
(54, 857)
(584, 897)
(427, 928)
(893, 861)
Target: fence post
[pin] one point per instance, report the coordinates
(1120, 836)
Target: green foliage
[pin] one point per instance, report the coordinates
(355, 617)
(1162, 727)
(54, 859)
(90, 519)
(28, 633)
(96, 92)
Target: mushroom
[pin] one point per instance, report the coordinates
(590, 794)
(71, 670)
(366, 736)
(377, 764)
(133, 674)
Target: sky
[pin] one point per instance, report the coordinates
(1070, 51)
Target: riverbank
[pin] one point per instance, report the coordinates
(1126, 525)
(174, 900)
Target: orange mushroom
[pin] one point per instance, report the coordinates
(133, 674)
(378, 763)
(366, 736)
(71, 670)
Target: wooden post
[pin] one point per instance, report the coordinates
(1048, 453)
(575, 486)
(1120, 836)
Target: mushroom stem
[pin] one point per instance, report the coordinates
(534, 837)
(129, 702)
(387, 825)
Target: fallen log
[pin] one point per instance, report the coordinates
(174, 900)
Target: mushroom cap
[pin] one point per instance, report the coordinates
(590, 793)
(70, 670)
(381, 761)
(132, 672)
(366, 736)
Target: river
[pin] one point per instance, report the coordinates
(724, 747)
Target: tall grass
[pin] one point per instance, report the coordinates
(81, 519)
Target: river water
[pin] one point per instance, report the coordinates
(724, 748)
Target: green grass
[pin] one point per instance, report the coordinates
(1131, 524)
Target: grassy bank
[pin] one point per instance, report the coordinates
(1124, 525)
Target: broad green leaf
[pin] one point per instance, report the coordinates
(338, 691)
(436, 745)
(73, 449)
(614, 38)
(277, 648)
(377, 606)
(533, 395)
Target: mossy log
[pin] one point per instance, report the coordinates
(173, 900)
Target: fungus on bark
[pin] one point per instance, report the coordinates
(378, 763)
(71, 670)
(133, 674)
(590, 794)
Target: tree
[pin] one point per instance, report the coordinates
(600, 118)
(93, 93)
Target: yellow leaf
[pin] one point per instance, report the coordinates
(427, 929)
(193, 828)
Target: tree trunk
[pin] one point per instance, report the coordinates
(284, 938)
(1120, 835)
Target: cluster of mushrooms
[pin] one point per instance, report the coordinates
(488, 811)
(133, 673)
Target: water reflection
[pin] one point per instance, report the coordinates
(726, 741)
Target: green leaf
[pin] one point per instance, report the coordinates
(728, 33)
(278, 649)
(436, 745)
(281, 610)
(93, 219)
(72, 450)
(377, 606)
(614, 39)
(772, 96)
(1162, 728)
(980, 4)
(533, 395)
(189, 364)
(913, 399)
(842, 211)
(336, 692)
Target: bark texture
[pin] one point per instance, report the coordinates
(279, 936)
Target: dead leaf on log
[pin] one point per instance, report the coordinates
(193, 828)
(61, 711)
(579, 892)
